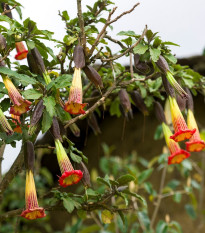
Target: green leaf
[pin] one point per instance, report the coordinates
(46, 122)
(144, 175)
(158, 133)
(75, 157)
(63, 81)
(157, 42)
(65, 15)
(5, 104)
(103, 181)
(91, 229)
(24, 79)
(155, 53)
(171, 58)
(170, 43)
(162, 227)
(124, 179)
(127, 33)
(32, 94)
(49, 103)
(115, 108)
(177, 197)
(68, 204)
(140, 48)
(190, 211)
(30, 44)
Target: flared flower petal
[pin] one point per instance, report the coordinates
(20, 104)
(195, 144)
(181, 130)
(74, 104)
(21, 109)
(177, 154)
(178, 157)
(21, 51)
(69, 175)
(33, 211)
(5, 124)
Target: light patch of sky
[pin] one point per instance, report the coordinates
(177, 21)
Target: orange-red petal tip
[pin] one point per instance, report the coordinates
(195, 146)
(32, 214)
(75, 108)
(182, 135)
(21, 55)
(178, 157)
(70, 177)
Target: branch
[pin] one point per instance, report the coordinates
(154, 215)
(6, 55)
(109, 22)
(115, 41)
(9, 10)
(127, 50)
(81, 24)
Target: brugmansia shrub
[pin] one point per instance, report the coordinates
(62, 89)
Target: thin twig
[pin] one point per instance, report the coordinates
(9, 10)
(115, 41)
(159, 197)
(6, 55)
(128, 49)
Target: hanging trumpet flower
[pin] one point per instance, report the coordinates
(5, 124)
(181, 130)
(33, 211)
(20, 105)
(164, 67)
(21, 51)
(195, 144)
(69, 175)
(177, 154)
(74, 104)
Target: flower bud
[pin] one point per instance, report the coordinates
(2, 42)
(139, 102)
(35, 62)
(56, 129)
(190, 102)
(38, 112)
(75, 130)
(93, 123)
(86, 175)
(136, 59)
(159, 112)
(181, 102)
(125, 101)
(79, 57)
(162, 64)
(167, 86)
(29, 156)
(93, 76)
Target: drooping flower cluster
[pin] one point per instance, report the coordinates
(182, 131)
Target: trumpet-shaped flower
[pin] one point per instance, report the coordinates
(177, 154)
(20, 105)
(181, 130)
(21, 51)
(69, 175)
(195, 144)
(74, 104)
(5, 124)
(33, 211)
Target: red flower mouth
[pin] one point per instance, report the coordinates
(70, 177)
(182, 135)
(35, 213)
(178, 157)
(195, 146)
(75, 108)
(21, 55)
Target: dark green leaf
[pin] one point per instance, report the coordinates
(32, 94)
(46, 122)
(68, 204)
(49, 103)
(144, 175)
(190, 211)
(140, 48)
(75, 157)
(124, 179)
(155, 53)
